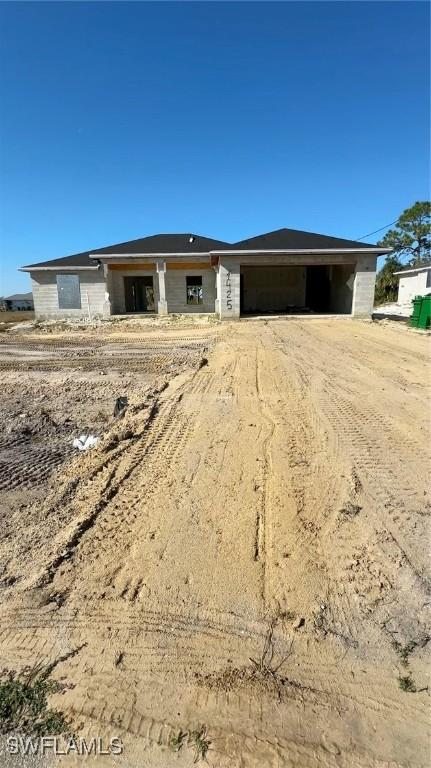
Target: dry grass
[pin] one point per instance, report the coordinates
(10, 318)
(15, 317)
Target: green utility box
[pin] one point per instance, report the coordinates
(421, 315)
(414, 317)
(425, 314)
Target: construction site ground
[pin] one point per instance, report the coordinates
(244, 554)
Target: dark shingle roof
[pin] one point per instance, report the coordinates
(180, 243)
(20, 297)
(291, 239)
(76, 260)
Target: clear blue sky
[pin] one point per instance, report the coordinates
(226, 119)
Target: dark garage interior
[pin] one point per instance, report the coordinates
(320, 289)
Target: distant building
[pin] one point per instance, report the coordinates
(18, 302)
(413, 282)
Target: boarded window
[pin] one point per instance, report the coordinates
(194, 290)
(69, 292)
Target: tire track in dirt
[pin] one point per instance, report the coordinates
(380, 476)
(165, 588)
(158, 441)
(263, 482)
(311, 487)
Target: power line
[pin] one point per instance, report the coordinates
(377, 230)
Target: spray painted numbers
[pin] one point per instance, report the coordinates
(229, 304)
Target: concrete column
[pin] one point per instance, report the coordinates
(228, 289)
(217, 298)
(107, 304)
(363, 287)
(162, 306)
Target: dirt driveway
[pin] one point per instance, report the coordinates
(245, 550)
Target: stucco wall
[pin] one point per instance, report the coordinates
(176, 290)
(416, 284)
(92, 288)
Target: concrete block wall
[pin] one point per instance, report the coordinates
(221, 291)
(45, 296)
(342, 278)
(363, 288)
(273, 288)
(176, 290)
(290, 260)
(116, 287)
(229, 289)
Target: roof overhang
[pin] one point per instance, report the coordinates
(234, 252)
(120, 257)
(59, 268)
(149, 256)
(300, 251)
(414, 271)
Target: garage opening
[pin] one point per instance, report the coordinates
(322, 289)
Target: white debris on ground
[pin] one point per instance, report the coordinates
(125, 322)
(84, 442)
(393, 309)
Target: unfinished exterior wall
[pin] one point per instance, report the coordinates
(272, 288)
(267, 286)
(45, 295)
(229, 288)
(364, 284)
(341, 288)
(176, 290)
(117, 293)
(353, 295)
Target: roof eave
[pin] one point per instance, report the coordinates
(233, 252)
(414, 270)
(188, 254)
(199, 254)
(237, 252)
(58, 268)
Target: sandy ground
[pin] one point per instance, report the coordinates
(246, 549)
(60, 382)
(10, 318)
